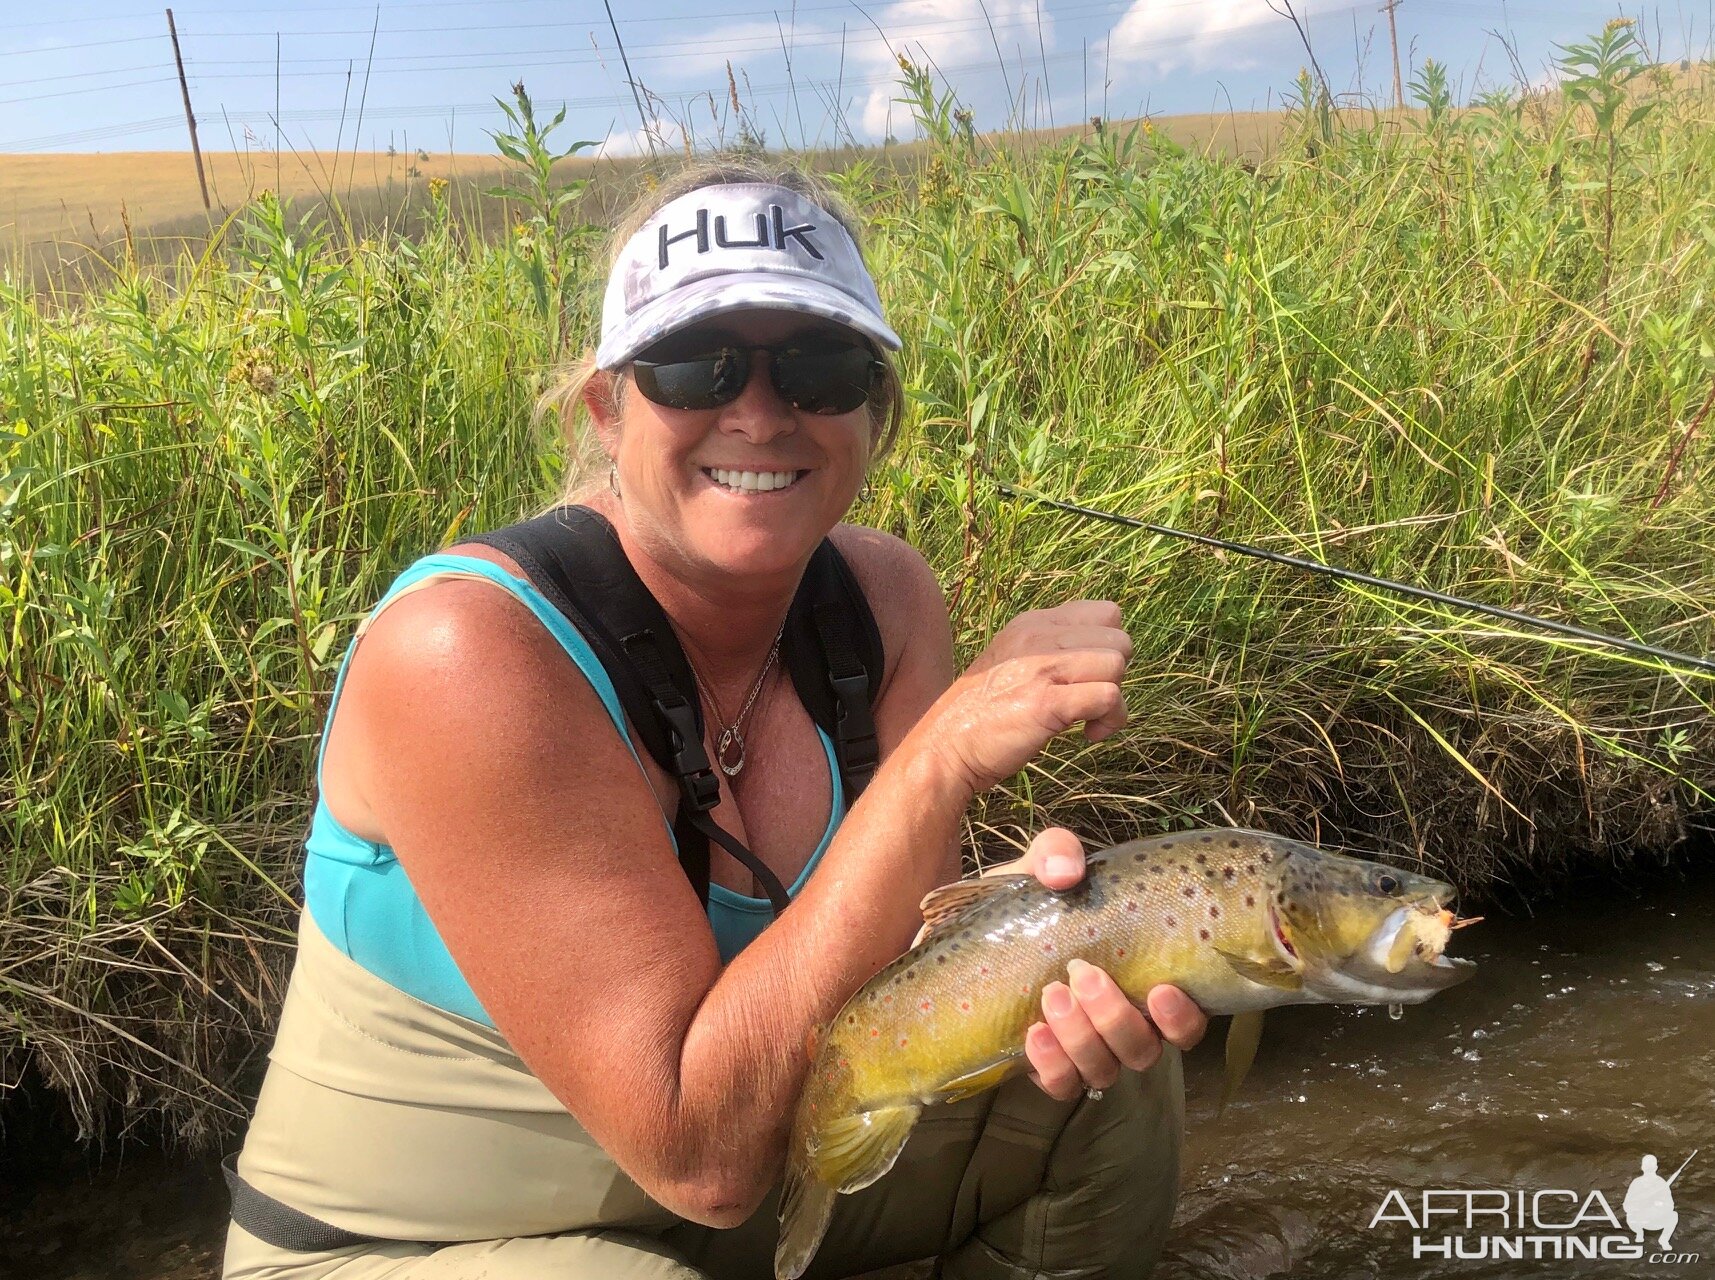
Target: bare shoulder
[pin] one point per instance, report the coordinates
(903, 593)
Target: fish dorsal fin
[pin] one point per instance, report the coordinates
(1270, 971)
(983, 1078)
(951, 901)
(1243, 1036)
(854, 1150)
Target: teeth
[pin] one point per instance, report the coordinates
(751, 481)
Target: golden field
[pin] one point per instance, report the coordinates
(55, 208)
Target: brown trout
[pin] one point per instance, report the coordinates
(1241, 921)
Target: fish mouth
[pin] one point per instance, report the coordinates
(1408, 949)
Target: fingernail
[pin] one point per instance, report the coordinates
(1085, 979)
(1056, 999)
(1064, 864)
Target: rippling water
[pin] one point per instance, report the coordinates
(1586, 1040)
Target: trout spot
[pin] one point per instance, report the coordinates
(1131, 905)
(965, 1005)
(1172, 922)
(1250, 899)
(1167, 844)
(1232, 844)
(924, 1006)
(1190, 891)
(901, 1042)
(1202, 859)
(1229, 874)
(1203, 934)
(1214, 913)
(1120, 953)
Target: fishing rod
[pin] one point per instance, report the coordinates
(1684, 660)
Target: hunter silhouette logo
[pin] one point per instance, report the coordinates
(1553, 1224)
(1649, 1202)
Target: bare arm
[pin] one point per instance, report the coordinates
(537, 845)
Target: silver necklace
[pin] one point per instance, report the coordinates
(731, 738)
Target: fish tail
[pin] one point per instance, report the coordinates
(806, 1205)
(844, 1155)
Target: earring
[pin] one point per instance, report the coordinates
(613, 479)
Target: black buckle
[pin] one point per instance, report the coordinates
(690, 762)
(855, 729)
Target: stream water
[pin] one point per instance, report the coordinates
(1585, 1042)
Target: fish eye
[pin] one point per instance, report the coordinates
(1387, 883)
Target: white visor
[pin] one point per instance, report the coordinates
(731, 248)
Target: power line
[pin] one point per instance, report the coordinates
(418, 62)
(1082, 10)
(317, 115)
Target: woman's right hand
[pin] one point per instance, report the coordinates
(1044, 672)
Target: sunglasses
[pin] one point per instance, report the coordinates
(814, 373)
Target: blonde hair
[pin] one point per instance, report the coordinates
(563, 400)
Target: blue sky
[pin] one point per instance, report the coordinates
(98, 74)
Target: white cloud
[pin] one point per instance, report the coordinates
(635, 142)
(942, 34)
(1233, 35)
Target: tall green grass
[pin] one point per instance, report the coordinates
(1468, 348)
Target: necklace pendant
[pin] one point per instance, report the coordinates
(728, 741)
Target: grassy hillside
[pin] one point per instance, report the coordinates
(1466, 349)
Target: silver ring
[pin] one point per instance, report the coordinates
(1094, 1095)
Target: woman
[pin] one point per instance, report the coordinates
(514, 1045)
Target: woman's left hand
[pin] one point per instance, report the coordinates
(1090, 1029)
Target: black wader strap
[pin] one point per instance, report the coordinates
(854, 737)
(279, 1224)
(830, 645)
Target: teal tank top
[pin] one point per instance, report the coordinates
(361, 899)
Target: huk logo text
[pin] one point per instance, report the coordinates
(771, 233)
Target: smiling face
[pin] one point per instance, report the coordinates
(745, 490)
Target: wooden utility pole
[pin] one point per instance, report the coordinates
(184, 89)
(1393, 39)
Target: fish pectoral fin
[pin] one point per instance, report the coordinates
(854, 1150)
(1272, 972)
(983, 1078)
(952, 900)
(1243, 1036)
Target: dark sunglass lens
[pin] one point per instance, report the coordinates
(698, 382)
(825, 378)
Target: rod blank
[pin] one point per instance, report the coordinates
(1682, 660)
